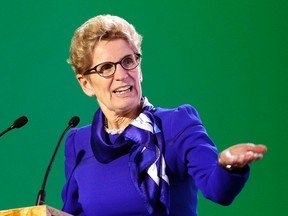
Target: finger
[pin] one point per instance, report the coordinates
(246, 158)
(256, 148)
(251, 157)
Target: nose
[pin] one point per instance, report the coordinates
(120, 72)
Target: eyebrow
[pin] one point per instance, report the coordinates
(114, 61)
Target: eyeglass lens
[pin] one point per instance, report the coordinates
(108, 68)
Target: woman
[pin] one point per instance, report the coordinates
(135, 159)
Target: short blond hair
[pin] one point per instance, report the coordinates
(101, 27)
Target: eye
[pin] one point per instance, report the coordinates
(105, 68)
(128, 61)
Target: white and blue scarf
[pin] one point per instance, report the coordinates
(143, 141)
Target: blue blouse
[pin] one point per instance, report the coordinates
(93, 188)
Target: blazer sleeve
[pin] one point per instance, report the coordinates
(199, 155)
(70, 189)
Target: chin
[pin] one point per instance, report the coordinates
(127, 106)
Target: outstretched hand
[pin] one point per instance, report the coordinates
(237, 156)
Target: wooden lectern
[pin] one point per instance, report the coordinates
(40, 210)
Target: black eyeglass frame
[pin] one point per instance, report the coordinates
(93, 69)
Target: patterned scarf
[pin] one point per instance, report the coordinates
(143, 141)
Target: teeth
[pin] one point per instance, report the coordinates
(123, 90)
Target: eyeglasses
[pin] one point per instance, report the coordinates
(107, 69)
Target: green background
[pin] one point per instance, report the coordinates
(226, 58)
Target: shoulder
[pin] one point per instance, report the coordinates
(185, 114)
(79, 133)
(180, 120)
(78, 139)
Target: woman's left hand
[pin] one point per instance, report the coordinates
(237, 156)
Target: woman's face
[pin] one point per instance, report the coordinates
(120, 93)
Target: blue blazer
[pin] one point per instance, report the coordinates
(93, 188)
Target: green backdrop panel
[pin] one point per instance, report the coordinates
(226, 58)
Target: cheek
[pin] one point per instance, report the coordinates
(97, 82)
(96, 86)
(139, 76)
(139, 81)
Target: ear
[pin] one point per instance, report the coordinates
(85, 85)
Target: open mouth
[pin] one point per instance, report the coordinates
(123, 90)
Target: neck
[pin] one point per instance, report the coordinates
(122, 120)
